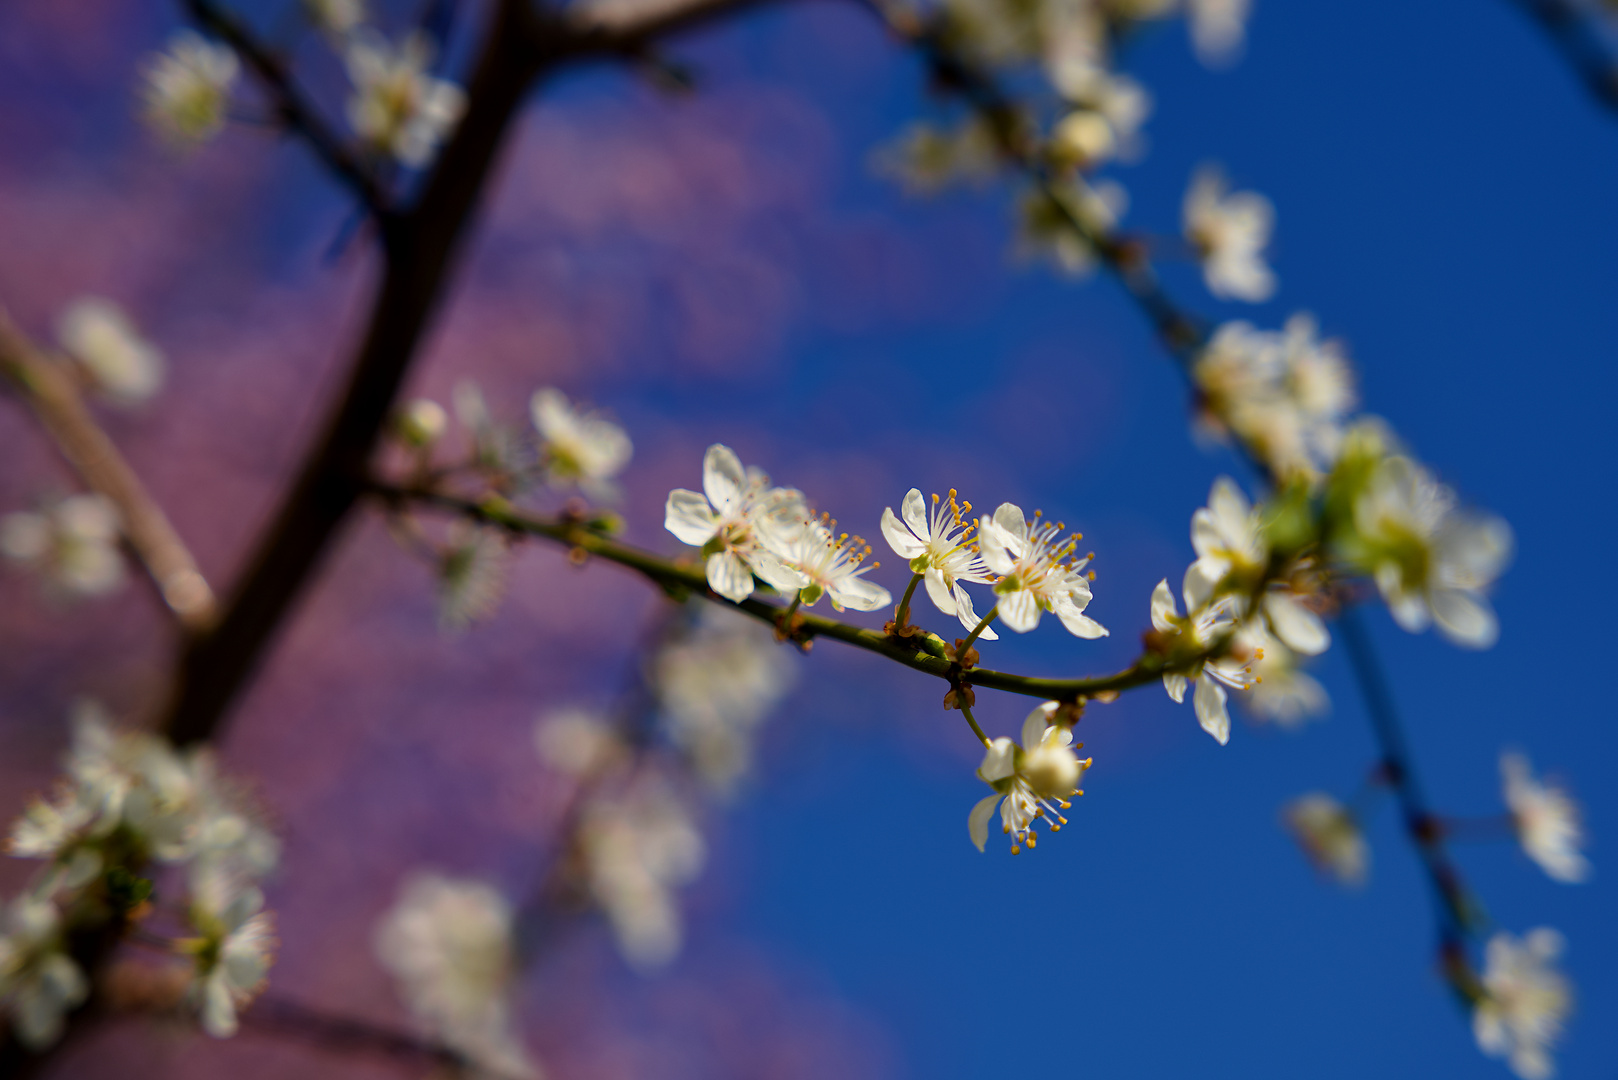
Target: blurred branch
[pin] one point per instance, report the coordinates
(295, 111)
(1575, 32)
(53, 394)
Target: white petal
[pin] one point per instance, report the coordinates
(1175, 685)
(1232, 513)
(899, 538)
(968, 617)
(999, 760)
(914, 509)
(859, 594)
(689, 517)
(992, 544)
(939, 593)
(1019, 611)
(1209, 701)
(1079, 625)
(1008, 516)
(1198, 586)
(729, 576)
(783, 577)
(1299, 629)
(1033, 727)
(723, 478)
(1163, 609)
(977, 823)
(1464, 618)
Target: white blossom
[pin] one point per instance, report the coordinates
(1046, 222)
(1546, 819)
(1327, 832)
(185, 91)
(1038, 572)
(1032, 780)
(1230, 232)
(73, 543)
(233, 951)
(1281, 692)
(495, 447)
(927, 159)
(397, 107)
(1431, 560)
(421, 423)
(39, 982)
(581, 448)
(1108, 113)
(577, 741)
(99, 335)
(737, 523)
(471, 575)
(336, 17)
(1218, 29)
(449, 944)
(939, 546)
(1526, 1001)
(715, 685)
(639, 846)
(830, 564)
(1201, 629)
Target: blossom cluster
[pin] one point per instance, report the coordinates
(128, 804)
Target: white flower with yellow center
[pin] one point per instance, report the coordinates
(737, 523)
(831, 564)
(1200, 630)
(74, 543)
(578, 447)
(1431, 561)
(186, 89)
(1033, 780)
(1327, 832)
(397, 108)
(233, 950)
(1038, 572)
(100, 336)
(939, 547)
(39, 982)
(1281, 692)
(1526, 1001)
(1546, 819)
(638, 848)
(1230, 232)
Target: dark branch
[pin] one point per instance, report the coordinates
(1577, 37)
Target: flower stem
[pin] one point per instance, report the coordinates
(966, 711)
(983, 624)
(901, 617)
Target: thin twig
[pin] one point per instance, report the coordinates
(1574, 32)
(53, 394)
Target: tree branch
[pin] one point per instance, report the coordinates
(53, 394)
(1573, 32)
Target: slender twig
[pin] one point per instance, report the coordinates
(1574, 31)
(53, 394)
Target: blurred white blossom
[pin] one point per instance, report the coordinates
(449, 944)
(421, 423)
(100, 336)
(939, 546)
(639, 846)
(1230, 232)
(1526, 1001)
(1218, 29)
(1546, 819)
(577, 447)
(1031, 780)
(1281, 691)
(336, 17)
(1047, 215)
(185, 90)
(926, 158)
(577, 742)
(1038, 572)
(739, 524)
(39, 983)
(398, 108)
(1201, 628)
(233, 950)
(73, 543)
(471, 575)
(1327, 832)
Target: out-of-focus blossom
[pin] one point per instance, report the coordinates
(926, 158)
(99, 335)
(1035, 779)
(939, 547)
(1200, 629)
(336, 17)
(1281, 692)
(39, 983)
(1230, 232)
(185, 90)
(421, 423)
(72, 543)
(1106, 119)
(741, 524)
(1431, 560)
(398, 108)
(448, 942)
(715, 685)
(1526, 1001)
(639, 846)
(233, 950)
(496, 448)
(577, 447)
(471, 575)
(1218, 29)
(1329, 835)
(1546, 819)
(577, 741)
(1046, 222)
(1038, 572)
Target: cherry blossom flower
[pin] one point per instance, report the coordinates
(1106, 120)
(39, 982)
(577, 741)
(830, 564)
(1431, 560)
(233, 950)
(449, 944)
(1281, 693)
(421, 423)
(98, 334)
(578, 448)
(1201, 629)
(471, 576)
(185, 90)
(1526, 1001)
(397, 108)
(1047, 214)
(1031, 780)
(1038, 572)
(737, 524)
(73, 543)
(1327, 832)
(639, 846)
(1546, 819)
(1230, 232)
(336, 17)
(938, 545)
(1218, 29)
